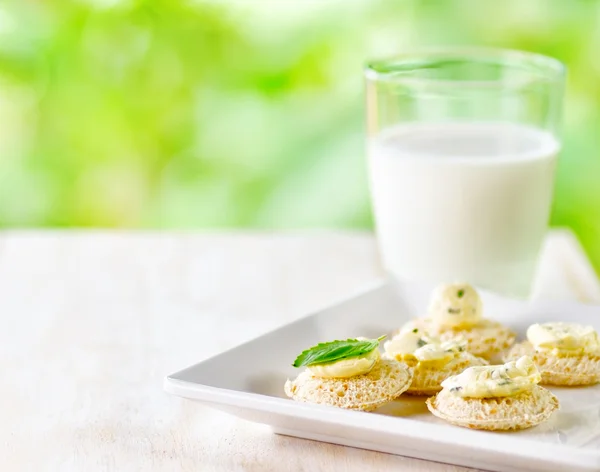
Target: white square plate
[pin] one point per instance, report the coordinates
(247, 381)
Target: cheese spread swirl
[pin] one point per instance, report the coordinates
(568, 338)
(413, 344)
(505, 380)
(456, 305)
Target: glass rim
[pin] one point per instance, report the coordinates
(392, 69)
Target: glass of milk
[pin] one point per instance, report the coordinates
(462, 148)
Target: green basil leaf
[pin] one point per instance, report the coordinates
(335, 351)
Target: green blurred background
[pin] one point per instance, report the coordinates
(172, 114)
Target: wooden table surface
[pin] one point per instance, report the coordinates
(93, 321)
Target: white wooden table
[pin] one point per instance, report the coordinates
(93, 321)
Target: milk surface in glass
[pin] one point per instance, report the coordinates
(462, 201)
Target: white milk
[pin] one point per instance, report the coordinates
(463, 201)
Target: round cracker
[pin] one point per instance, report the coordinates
(386, 381)
(559, 369)
(487, 339)
(525, 410)
(427, 378)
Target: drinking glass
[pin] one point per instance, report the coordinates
(462, 147)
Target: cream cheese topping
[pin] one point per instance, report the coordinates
(455, 305)
(564, 337)
(495, 380)
(415, 344)
(405, 342)
(346, 367)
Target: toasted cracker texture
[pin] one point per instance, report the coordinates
(559, 369)
(525, 410)
(386, 381)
